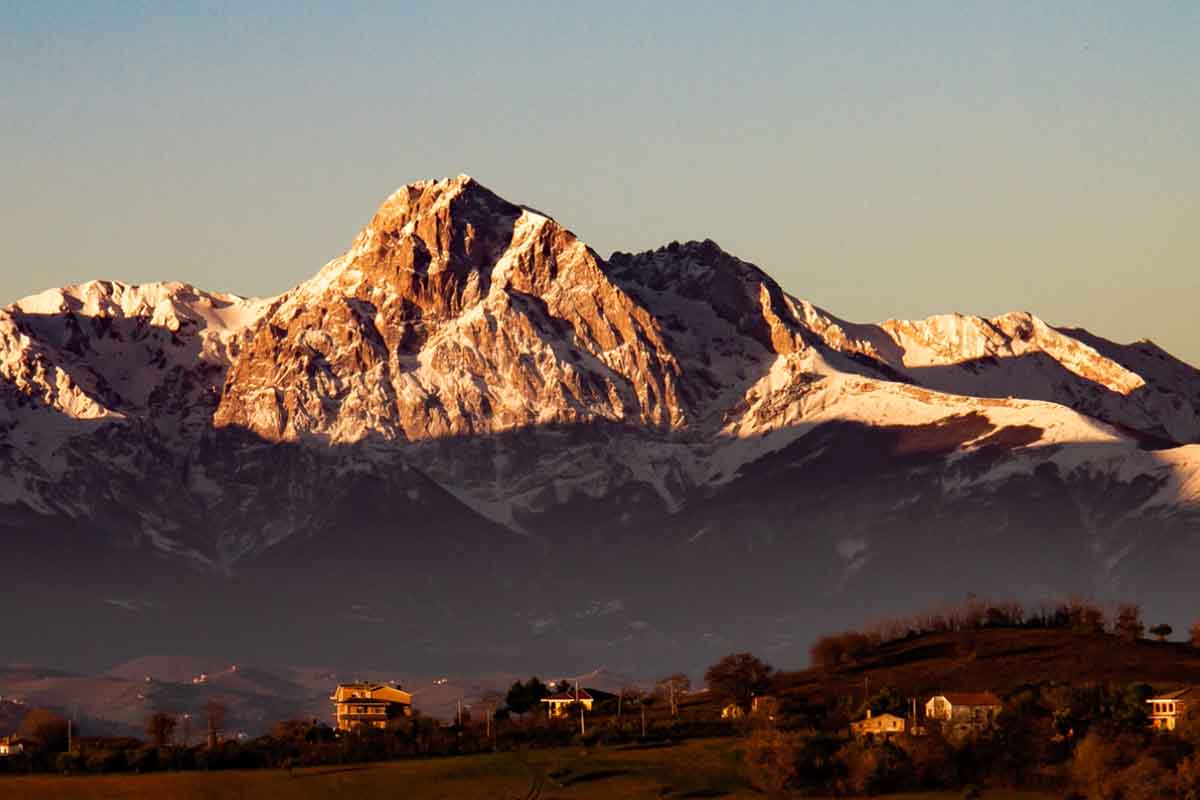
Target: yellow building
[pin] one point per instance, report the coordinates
(559, 705)
(1171, 711)
(371, 705)
(11, 745)
(765, 706)
(884, 725)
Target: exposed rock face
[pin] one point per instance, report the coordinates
(455, 313)
(488, 375)
(105, 349)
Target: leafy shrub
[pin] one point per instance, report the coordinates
(144, 759)
(875, 768)
(1187, 778)
(105, 761)
(771, 758)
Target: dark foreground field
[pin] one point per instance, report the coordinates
(691, 770)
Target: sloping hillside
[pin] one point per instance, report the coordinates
(1000, 660)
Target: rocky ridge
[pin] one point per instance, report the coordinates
(471, 361)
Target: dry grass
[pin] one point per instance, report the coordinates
(694, 769)
(690, 770)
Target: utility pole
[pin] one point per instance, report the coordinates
(582, 726)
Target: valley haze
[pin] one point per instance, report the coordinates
(472, 445)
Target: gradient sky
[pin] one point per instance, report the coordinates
(880, 159)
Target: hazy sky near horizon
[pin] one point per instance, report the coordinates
(880, 159)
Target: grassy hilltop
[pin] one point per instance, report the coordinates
(1002, 660)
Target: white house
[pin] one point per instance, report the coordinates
(964, 712)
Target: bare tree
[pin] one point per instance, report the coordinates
(1128, 624)
(628, 694)
(672, 688)
(643, 700)
(161, 727)
(491, 701)
(214, 715)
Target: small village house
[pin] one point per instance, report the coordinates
(368, 705)
(559, 704)
(964, 712)
(882, 725)
(11, 746)
(1174, 710)
(765, 706)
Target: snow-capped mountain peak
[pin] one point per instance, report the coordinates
(461, 332)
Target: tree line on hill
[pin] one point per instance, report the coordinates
(517, 719)
(1092, 742)
(1075, 614)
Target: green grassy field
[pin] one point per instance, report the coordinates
(691, 770)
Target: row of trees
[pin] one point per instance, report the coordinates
(778, 762)
(507, 721)
(303, 743)
(736, 679)
(162, 726)
(49, 743)
(1092, 740)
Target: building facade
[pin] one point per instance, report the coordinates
(1174, 710)
(10, 746)
(765, 706)
(559, 705)
(882, 725)
(964, 712)
(369, 705)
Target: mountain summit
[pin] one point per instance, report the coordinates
(470, 393)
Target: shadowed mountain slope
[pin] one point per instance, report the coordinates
(472, 437)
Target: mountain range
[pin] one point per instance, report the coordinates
(473, 440)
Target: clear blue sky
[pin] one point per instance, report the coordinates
(881, 159)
